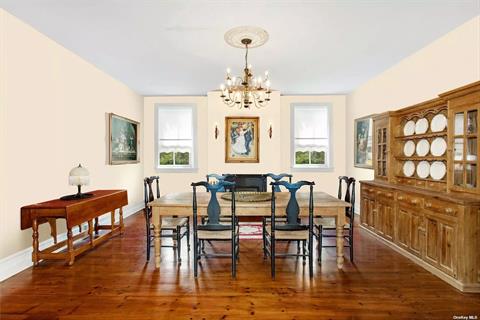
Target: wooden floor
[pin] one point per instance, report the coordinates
(114, 282)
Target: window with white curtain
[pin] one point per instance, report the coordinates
(175, 136)
(311, 136)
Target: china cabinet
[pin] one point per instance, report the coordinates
(424, 200)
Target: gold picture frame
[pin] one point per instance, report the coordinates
(123, 140)
(242, 140)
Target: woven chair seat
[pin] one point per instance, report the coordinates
(329, 222)
(288, 235)
(215, 234)
(173, 223)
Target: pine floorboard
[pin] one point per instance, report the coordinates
(114, 281)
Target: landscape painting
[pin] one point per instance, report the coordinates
(123, 142)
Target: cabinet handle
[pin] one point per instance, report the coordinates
(428, 204)
(449, 210)
(389, 194)
(400, 198)
(414, 201)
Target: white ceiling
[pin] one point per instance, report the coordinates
(177, 48)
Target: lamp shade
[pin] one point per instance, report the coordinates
(79, 176)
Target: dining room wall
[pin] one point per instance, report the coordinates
(445, 64)
(274, 152)
(53, 115)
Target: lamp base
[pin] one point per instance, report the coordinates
(77, 196)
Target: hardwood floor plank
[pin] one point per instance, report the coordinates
(113, 281)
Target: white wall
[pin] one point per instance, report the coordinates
(447, 63)
(53, 116)
(274, 152)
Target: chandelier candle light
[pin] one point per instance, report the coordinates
(246, 90)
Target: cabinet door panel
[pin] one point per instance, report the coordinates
(371, 213)
(389, 221)
(447, 248)
(431, 253)
(379, 218)
(403, 228)
(364, 211)
(416, 235)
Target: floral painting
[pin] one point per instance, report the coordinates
(123, 142)
(241, 139)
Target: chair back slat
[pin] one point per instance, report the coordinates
(218, 177)
(148, 189)
(349, 195)
(213, 207)
(279, 177)
(293, 209)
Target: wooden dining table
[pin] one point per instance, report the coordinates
(180, 204)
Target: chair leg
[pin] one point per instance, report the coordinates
(272, 256)
(188, 233)
(350, 240)
(148, 242)
(234, 257)
(310, 256)
(179, 244)
(320, 245)
(298, 247)
(195, 256)
(264, 226)
(304, 253)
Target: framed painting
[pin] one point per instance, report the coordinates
(123, 140)
(241, 139)
(363, 142)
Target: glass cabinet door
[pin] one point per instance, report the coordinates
(465, 149)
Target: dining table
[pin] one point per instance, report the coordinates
(181, 204)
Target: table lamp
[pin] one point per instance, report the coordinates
(78, 176)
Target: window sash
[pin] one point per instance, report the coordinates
(311, 140)
(179, 140)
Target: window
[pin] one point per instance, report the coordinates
(175, 137)
(311, 136)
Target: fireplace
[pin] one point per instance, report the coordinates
(248, 182)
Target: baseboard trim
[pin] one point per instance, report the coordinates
(473, 288)
(21, 260)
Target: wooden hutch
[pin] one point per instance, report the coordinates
(429, 208)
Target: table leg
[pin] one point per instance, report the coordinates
(340, 223)
(157, 226)
(112, 221)
(122, 226)
(90, 232)
(71, 254)
(53, 229)
(96, 226)
(35, 242)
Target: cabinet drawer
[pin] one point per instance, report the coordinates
(385, 194)
(410, 200)
(442, 207)
(368, 191)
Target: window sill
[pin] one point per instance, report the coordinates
(312, 169)
(177, 169)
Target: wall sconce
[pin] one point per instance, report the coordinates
(270, 131)
(216, 132)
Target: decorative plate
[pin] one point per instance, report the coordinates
(409, 128)
(438, 170)
(408, 168)
(248, 196)
(438, 147)
(409, 148)
(423, 169)
(439, 123)
(423, 147)
(421, 126)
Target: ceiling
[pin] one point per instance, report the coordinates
(177, 48)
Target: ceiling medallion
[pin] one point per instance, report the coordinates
(246, 90)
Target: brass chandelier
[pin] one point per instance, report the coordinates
(246, 90)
